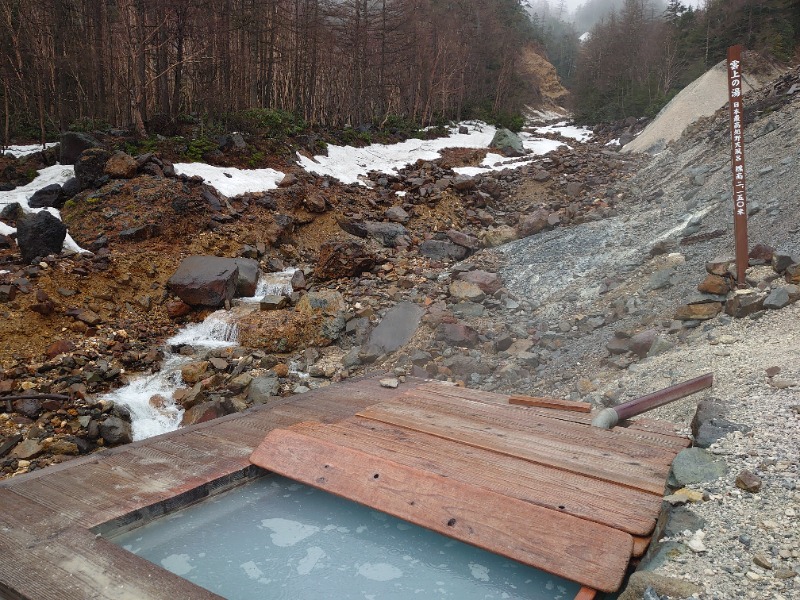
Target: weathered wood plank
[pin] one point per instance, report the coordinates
(543, 423)
(552, 403)
(549, 540)
(631, 510)
(75, 565)
(654, 435)
(576, 458)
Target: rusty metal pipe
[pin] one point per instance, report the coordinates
(609, 417)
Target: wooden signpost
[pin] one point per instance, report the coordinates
(734, 64)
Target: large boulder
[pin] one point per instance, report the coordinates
(396, 328)
(90, 167)
(40, 234)
(442, 250)
(247, 281)
(121, 166)
(45, 197)
(507, 142)
(488, 282)
(389, 235)
(318, 319)
(116, 431)
(72, 143)
(205, 280)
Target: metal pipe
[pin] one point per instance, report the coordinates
(609, 417)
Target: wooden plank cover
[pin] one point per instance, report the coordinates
(577, 455)
(631, 510)
(549, 540)
(463, 398)
(552, 403)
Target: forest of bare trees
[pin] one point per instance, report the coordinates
(148, 63)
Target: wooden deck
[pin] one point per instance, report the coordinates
(537, 484)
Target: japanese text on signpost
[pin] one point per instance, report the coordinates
(737, 161)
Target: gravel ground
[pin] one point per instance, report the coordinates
(582, 284)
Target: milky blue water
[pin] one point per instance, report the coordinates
(276, 539)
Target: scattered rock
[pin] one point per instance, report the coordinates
(695, 465)
(90, 168)
(507, 142)
(39, 235)
(72, 143)
(343, 259)
(121, 166)
(115, 431)
(748, 482)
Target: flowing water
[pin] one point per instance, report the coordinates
(149, 398)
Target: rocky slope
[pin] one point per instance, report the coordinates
(576, 276)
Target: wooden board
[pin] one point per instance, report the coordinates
(651, 434)
(544, 422)
(640, 545)
(540, 448)
(586, 593)
(651, 430)
(549, 540)
(632, 511)
(552, 403)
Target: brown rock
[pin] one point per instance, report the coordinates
(205, 280)
(488, 282)
(273, 302)
(619, 345)
(641, 343)
(87, 316)
(698, 312)
(177, 308)
(59, 347)
(457, 334)
(465, 290)
(744, 303)
(533, 223)
(62, 447)
(762, 252)
(463, 239)
(288, 180)
(203, 412)
(8, 293)
(121, 166)
(720, 266)
(27, 449)
(281, 370)
(714, 284)
(793, 274)
(194, 371)
(315, 203)
(748, 481)
(192, 397)
(343, 259)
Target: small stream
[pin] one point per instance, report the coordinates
(149, 397)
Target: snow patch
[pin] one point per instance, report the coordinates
(20, 151)
(350, 165)
(230, 181)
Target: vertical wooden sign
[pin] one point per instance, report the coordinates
(737, 162)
